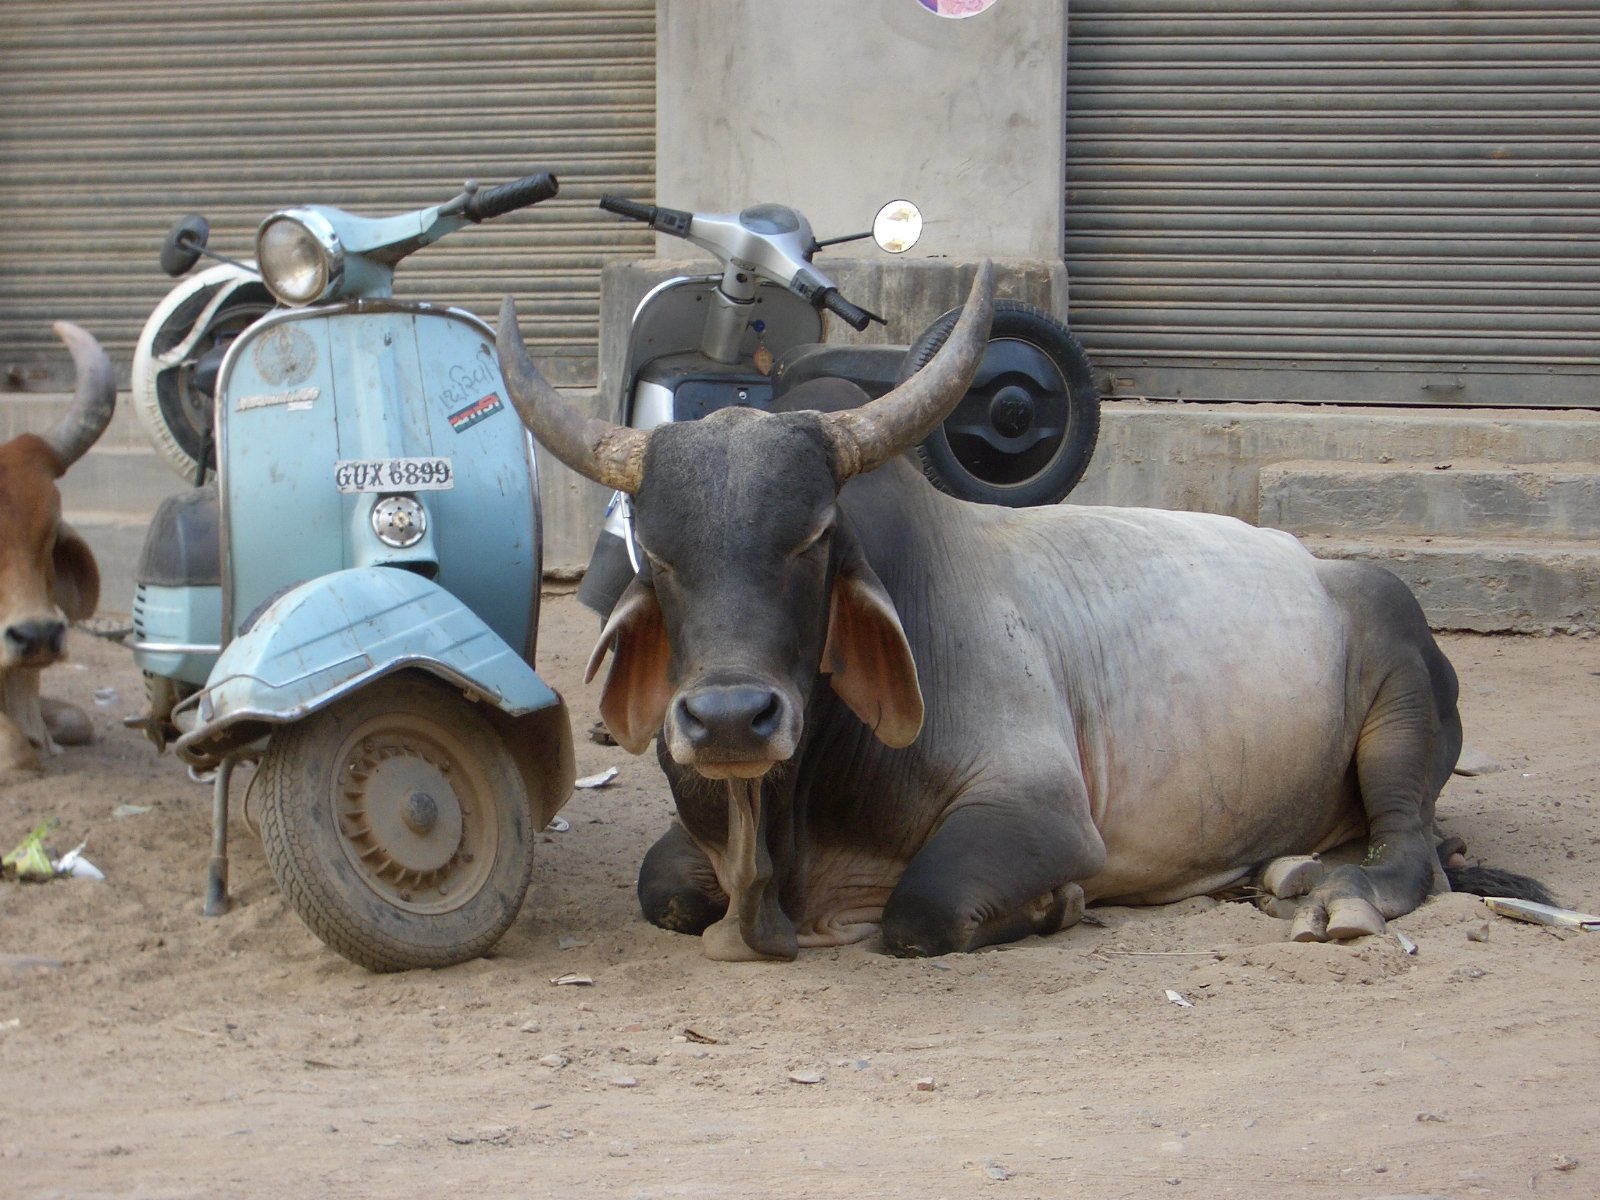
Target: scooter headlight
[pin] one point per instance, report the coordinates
(300, 256)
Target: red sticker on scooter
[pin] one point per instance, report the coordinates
(475, 412)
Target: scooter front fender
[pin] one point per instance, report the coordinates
(326, 638)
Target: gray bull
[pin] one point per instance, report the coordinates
(880, 708)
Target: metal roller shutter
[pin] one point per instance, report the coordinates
(1370, 201)
(118, 116)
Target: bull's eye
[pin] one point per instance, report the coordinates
(657, 566)
(817, 543)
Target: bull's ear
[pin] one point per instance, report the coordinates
(77, 590)
(867, 660)
(634, 701)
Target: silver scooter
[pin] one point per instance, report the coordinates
(745, 335)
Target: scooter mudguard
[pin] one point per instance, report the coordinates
(326, 638)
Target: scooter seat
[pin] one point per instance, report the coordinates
(184, 545)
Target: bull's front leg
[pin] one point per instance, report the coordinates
(998, 868)
(678, 888)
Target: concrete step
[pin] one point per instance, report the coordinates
(1209, 457)
(1481, 500)
(1488, 586)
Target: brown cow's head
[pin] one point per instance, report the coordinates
(47, 573)
(748, 593)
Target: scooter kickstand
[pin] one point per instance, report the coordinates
(217, 873)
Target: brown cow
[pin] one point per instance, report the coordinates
(47, 572)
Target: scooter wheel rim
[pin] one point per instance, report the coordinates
(414, 814)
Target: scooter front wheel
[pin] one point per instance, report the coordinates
(397, 825)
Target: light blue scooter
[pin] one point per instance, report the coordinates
(350, 593)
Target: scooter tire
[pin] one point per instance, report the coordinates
(1034, 372)
(397, 825)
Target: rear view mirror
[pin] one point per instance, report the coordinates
(897, 226)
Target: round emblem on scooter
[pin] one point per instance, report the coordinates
(399, 521)
(285, 356)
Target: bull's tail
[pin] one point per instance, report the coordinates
(1488, 881)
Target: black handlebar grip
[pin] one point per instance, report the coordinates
(632, 209)
(507, 197)
(663, 220)
(856, 318)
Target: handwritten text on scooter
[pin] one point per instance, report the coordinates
(468, 382)
(393, 475)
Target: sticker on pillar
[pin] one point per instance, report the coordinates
(469, 416)
(956, 8)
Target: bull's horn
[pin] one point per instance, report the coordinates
(869, 436)
(609, 454)
(90, 412)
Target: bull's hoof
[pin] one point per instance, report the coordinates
(1344, 918)
(1310, 925)
(1293, 875)
(724, 942)
(1072, 905)
(1284, 908)
(1352, 917)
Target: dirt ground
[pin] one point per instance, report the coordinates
(158, 1053)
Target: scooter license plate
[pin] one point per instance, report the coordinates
(393, 475)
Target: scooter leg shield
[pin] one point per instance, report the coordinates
(333, 635)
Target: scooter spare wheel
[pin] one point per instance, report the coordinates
(398, 825)
(1026, 429)
(172, 396)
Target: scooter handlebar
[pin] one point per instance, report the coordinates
(857, 318)
(507, 197)
(663, 220)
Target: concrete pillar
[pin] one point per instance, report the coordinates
(834, 106)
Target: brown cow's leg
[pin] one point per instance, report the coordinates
(20, 717)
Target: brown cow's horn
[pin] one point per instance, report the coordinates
(608, 454)
(90, 412)
(871, 435)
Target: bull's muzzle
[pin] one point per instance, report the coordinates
(35, 643)
(732, 730)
